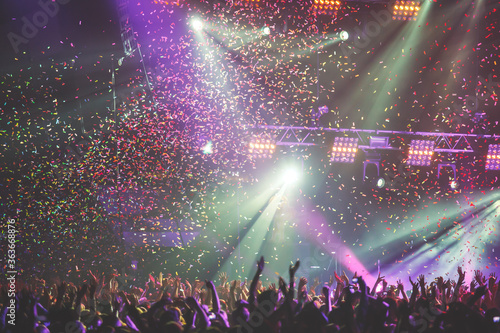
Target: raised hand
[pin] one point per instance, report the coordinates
(338, 278)
(379, 278)
(223, 278)
(198, 284)
(461, 275)
(302, 283)
(440, 282)
(447, 284)
(400, 285)
(238, 285)
(414, 285)
(421, 280)
(478, 276)
(188, 284)
(492, 280)
(345, 278)
(260, 264)
(294, 268)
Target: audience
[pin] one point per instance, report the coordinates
(169, 304)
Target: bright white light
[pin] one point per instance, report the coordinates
(207, 148)
(454, 184)
(380, 182)
(197, 24)
(291, 175)
(344, 35)
(266, 31)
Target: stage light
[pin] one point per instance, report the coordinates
(326, 7)
(207, 148)
(454, 184)
(344, 149)
(291, 175)
(493, 157)
(420, 152)
(197, 24)
(344, 35)
(261, 148)
(380, 182)
(266, 30)
(403, 10)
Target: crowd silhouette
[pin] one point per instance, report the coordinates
(166, 304)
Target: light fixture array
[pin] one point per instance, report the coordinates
(405, 10)
(326, 7)
(420, 152)
(261, 148)
(344, 149)
(493, 157)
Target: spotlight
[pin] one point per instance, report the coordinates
(420, 152)
(266, 30)
(291, 175)
(197, 24)
(454, 184)
(344, 35)
(380, 182)
(207, 148)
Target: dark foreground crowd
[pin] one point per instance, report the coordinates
(169, 304)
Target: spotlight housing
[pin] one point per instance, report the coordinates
(380, 182)
(344, 35)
